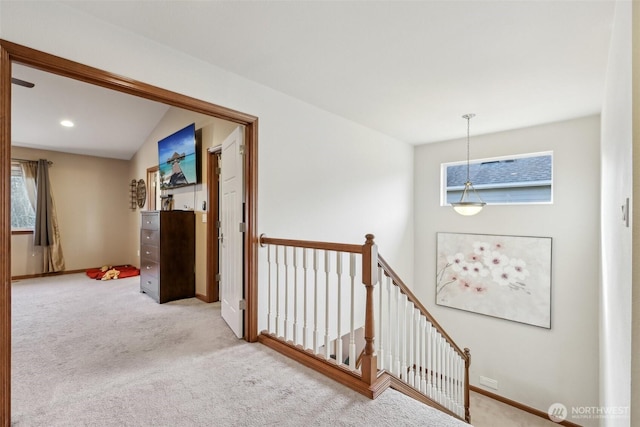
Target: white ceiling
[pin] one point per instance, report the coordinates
(408, 69)
(107, 123)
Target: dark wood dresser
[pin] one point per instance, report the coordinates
(167, 255)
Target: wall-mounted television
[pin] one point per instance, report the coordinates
(178, 159)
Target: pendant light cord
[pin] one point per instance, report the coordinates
(468, 126)
(468, 117)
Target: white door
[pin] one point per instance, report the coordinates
(231, 236)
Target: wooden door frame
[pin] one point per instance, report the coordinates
(213, 214)
(150, 194)
(12, 52)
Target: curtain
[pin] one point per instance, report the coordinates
(47, 232)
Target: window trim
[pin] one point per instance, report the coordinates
(19, 231)
(445, 165)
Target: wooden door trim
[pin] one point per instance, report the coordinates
(150, 195)
(5, 238)
(213, 213)
(12, 52)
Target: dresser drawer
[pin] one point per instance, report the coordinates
(150, 252)
(149, 267)
(150, 286)
(149, 237)
(150, 221)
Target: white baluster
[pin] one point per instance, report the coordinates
(402, 336)
(445, 375)
(424, 347)
(389, 325)
(295, 296)
(397, 330)
(454, 383)
(443, 350)
(418, 344)
(305, 328)
(447, 379)
(438, 347)
(327, 270)
(339, 358)
(277, 293)
(434, 374)
(454, 375)
(380, 322)
(352, 332)
(461, 382)
(315, 302)
(286, 294)
(269, 314)
(429, 354)
(445, 385)
(410, 345)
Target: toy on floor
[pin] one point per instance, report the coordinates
(111, 274)
(121, 271)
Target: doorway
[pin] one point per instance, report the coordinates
(153, 195)
(225, 246)
(11, 52)
(213, 227)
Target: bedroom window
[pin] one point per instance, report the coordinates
(23, 217)
(509, 180)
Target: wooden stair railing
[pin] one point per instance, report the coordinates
(317, 310)
(420, 353)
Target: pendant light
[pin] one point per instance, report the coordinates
(466, 206)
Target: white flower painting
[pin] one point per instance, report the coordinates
(501, 276)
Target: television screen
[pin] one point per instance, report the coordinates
(177, 158)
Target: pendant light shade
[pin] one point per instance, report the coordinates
(470, 203)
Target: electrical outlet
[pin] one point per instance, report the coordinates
(488, 382)
(138, 252)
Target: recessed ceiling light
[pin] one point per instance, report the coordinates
(67, 123)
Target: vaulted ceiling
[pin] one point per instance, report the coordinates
(409, 69)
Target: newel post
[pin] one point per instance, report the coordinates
(369, 279)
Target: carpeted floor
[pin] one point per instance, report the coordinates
(94, 353)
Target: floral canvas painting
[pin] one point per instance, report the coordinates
(501, 276)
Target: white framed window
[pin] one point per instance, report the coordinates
(506, 180)
(23, 217)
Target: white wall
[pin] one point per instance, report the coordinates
(616, 164)
(320, 176)
(533, 366)
(214, 131)
(92, 205)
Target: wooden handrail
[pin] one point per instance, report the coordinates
(388, 271)
(340, 247)
(372, 381)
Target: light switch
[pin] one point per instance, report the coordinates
(204, 217)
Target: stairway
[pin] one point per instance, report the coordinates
(328, 299)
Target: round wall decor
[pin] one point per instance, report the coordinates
(141, 193)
